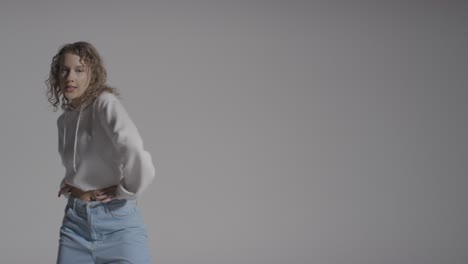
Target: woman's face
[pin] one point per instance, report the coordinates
(74, 77)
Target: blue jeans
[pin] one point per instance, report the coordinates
(95, 232)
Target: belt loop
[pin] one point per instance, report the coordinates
(74, 203)
(70, 202)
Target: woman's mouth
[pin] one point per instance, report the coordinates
(69, 88)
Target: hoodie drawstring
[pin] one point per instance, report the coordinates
(75, 143)
(76, 136)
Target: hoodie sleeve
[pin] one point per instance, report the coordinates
(60, 134)
(137, 165)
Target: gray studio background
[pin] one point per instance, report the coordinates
(297, 132)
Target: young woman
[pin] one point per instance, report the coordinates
(106, 166)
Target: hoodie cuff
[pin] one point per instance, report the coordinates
(122, 193)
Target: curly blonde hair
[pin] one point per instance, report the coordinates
(98, 76)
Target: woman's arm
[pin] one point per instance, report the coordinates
(138, 169)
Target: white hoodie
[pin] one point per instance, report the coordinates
(100, 146)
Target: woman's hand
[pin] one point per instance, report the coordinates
(106, 195)
(65, 189)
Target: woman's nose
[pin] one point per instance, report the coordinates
(70, 76)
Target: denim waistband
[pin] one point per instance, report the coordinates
(82, 206)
